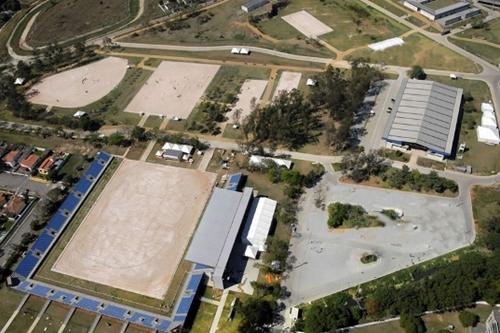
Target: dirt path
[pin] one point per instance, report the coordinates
(268, 93)
(256, 31)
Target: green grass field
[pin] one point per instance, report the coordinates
(52, 318)
(353, 23)
(27, 315)
(485, 202)
(80, 322)
(153, 122)
(224, 24)
(483, 158)
(108, 325)
(420, 50)
(490, 33)
(202, 321)
(487, 52)
(390, 6)
(9, 300)
(110, 108)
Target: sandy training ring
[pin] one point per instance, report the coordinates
(79, 86)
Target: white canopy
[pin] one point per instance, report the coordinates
(487, 107)
(186, 149)
(385, 44)
(488, 135)
(251, 252)
(488, 119)
(261, 223)
(257, 160)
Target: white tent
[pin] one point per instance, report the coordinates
(385, 44)
(186, 149)
(251, 252)
(488, 135)
(235, 50)
(487, 107)
(261, 223)
(488, 119)
(257, 160)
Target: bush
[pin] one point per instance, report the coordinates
(468, 319)
(412, 324)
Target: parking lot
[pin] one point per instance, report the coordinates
(327, 261)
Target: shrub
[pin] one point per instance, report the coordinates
(468, 319)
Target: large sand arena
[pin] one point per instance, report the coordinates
(307, 24)
(287, 82)
(79, 86)
(135, 234)
(174, 89)
(249, 90)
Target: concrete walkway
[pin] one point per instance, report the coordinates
(39, 316)
(94, 324)
(206, 158)
(218, 314)
(148, 150)
(209, 301)
(13, 316)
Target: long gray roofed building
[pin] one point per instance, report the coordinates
(425, 114)
(219, 227)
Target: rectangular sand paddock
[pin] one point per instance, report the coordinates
(173, 90)
(287, 82)
(307, 24)
(249, 90)
(135, 235)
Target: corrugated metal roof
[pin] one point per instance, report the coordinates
(425, 113)
(214, 239)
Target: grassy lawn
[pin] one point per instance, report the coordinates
(416, 21)
(153, 122)
(224, 56)
(483, 158)
(110, 108)
(28, 313)
(202, 321)
(232, 133)
(390, 327)
(390, 6)
(485, 202)
(353, 23)
(108, 325)
(224, 24)
(52, 319)
(225, 324)
(429, 163)
(490, 33)
(80, 322)
(66, 19)
(229, 79)
(136, 150)
(487, 52)
(9, 300)
(419, 50)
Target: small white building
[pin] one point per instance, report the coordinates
(311, 82)
(174, 151)
(245, 51)
(260, 161)
(19, 81)
(487, 135)
(235, 50)
(257, 229)
(487, 107)
(80, 114)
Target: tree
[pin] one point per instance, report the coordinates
(24, 71)
(257, 315)
(139, 134)
(362, 166)
(412, 324)
(468, 319)
(417, 72)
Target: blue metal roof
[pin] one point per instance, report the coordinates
(185, 304)
(63, 297)
(70, 203)
(43, 242)
(57, 221)
(94, 170)
(83, 186)
(103, 156)
(27, 265)
(194, 282)
(88, 304)
(39, 290)
(115, 312)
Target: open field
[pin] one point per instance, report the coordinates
(173, 89)
(390, 6)
(487, 52)
(483, 158)
(287, 82)
(52, 318)
(9, 300)
(79, 86)
(66, 19)
(228, 81)
(251, 91)
(110, 108)
(353, 23)
(137, 247)
(225, 24)
(28, 313)
(490, 33)
(419, 50)
(80, 322)
(202, 321)
(307, 24)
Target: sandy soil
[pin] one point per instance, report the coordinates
(135, 234)
(287, 82)
(174, 89)
(307, 24)
(80, 86)
(249, 90)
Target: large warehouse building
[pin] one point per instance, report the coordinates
(425, 115)
(444, 12)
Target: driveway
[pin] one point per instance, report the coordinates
(329, 261)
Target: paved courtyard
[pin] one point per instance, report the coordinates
(329, 261)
